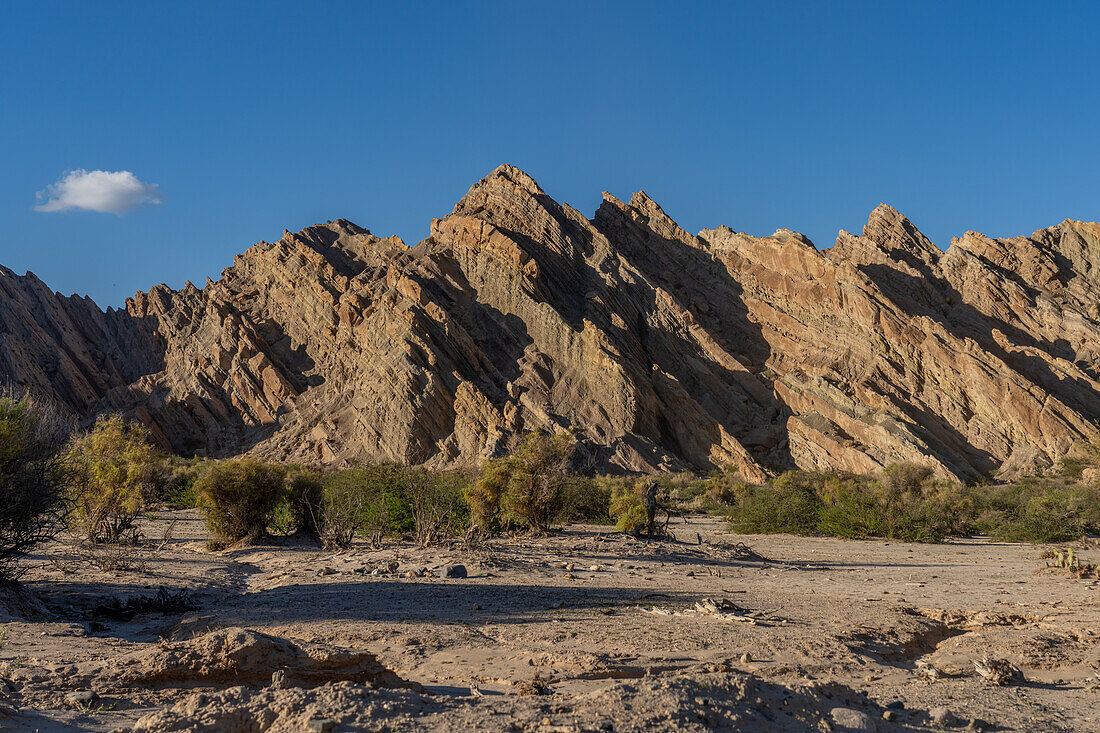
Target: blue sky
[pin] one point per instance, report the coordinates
(252, 118)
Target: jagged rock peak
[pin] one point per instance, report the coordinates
(658, 349)
(888, 236)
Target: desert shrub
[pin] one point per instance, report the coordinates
(908, 503)
(589, 500)
(34, 478)
(626, 505)
(300, 507)
(342, 510)
(788, 503)
(905, 503)
(238, 498)
(114, 467)
(174, 481)
(370, 500)
(645, 506)
(1035, 511)
(531, 487)
(438, 504)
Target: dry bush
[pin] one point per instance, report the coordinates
(531, 487)
(114, 468)
(342, 512)
(34, 478)
(239, 498)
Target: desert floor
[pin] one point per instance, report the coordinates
(798, 634)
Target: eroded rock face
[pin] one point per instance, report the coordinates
(657, 348)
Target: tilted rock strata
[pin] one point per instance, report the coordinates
(657, 348)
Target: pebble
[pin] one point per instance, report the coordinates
(321, 725)
(943, 717)
(889, 716)
(746, 658)
(594, 569)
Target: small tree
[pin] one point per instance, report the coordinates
(238, 498)
(304, 494)
(33, 477)
(531, 486)
(114, 469)
(437, 504)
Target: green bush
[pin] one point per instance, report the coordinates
(114, 468)
(174, 483)
(370, 500)
(239, 498)
(1035, 511)
(438, 504)
(532, 487)
(908, 503)
(589, 500)
(34, 478)
(300, 508)
(626, 506)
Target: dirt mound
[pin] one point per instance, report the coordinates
(232, 656)
(283, 710)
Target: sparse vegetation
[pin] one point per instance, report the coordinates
(239, 498)
(908, 503)
(532, 487)
(114, 468)
(642, 507)
(300, 509)
(438, 504)
(34, 479)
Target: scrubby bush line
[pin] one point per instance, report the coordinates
(907, 503)
(99, 481)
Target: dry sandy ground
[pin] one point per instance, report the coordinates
(813, 634)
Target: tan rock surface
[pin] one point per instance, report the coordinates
(658, 349)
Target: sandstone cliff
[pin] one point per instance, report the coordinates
(657, 348)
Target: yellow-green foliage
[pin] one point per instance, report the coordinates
(239, 498)
(626, 505)
(531, 487)
(114, 467)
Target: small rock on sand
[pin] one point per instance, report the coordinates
(83, 698)
(453, 571)
(943, 717)
(847, 719)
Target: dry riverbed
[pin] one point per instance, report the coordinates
(582, 630)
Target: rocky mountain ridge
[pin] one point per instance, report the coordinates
(659, 349)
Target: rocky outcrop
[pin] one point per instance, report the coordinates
(657, 348)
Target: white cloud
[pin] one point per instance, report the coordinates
(108, 192)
